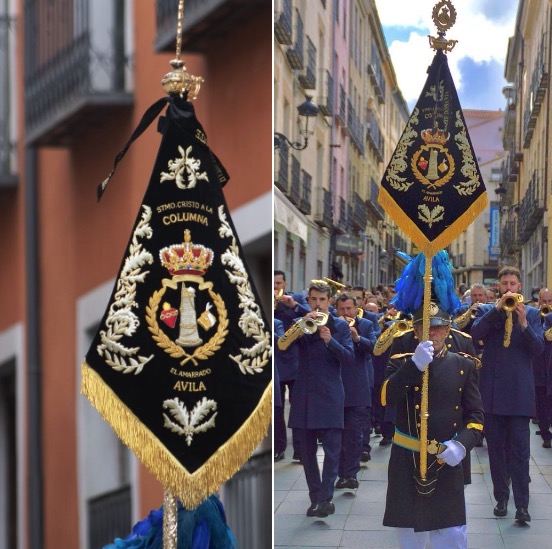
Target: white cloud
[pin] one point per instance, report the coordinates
(479, 38)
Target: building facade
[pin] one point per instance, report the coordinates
(525, 187)
(327, 222)
(77, 76)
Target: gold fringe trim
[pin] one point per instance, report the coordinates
(190, 488)
(431, 247)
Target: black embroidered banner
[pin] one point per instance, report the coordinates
(432, 186)
(181, 364)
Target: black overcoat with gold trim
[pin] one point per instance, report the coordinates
(457, 342)
(454, 404)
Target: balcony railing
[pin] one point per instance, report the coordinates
(326, 101)
(537, 91)
(306, 193)
(282, 22)
(531, 208)
(295, 54)
(109, 517)
(373, 203)
(341, 114)
(77, 69)
(374, 137)
(281, 168)
(360, 217)
(205, 21)
(8, 174)
(324, 210)
(341, 222)
(295, 187)
(308, 78)
(508, 238)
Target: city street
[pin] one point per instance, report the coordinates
(356, 523)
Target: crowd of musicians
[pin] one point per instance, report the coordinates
(351, 366)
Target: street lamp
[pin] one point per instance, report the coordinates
(307, 109)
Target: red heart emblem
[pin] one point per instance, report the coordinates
(169, 315)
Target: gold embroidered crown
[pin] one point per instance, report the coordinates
(186, 258)
(434, 136)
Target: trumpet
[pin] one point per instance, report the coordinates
(545, 309)
(360, 312)
(510, 302)
(295, 331)
(350, 321)
(277, 297)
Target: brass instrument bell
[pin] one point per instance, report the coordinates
(277, 297)
(510, 302)
(545, 309)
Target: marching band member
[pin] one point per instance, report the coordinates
(317, 405)
(357, 382)
(512, 336)
(544, 401)
(287, 307)
(435, 509)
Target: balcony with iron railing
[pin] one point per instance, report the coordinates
(326, 101)
(373, 204)
(323, 215)
(8, 174)
(374, 137)
(205, 21)
(109, 517)
(341, 114)
(508, 237)
(360, 217)
(283, 22)
(341, 221)
(295, 183)
(375, 72)
(305, 205)
(295, 54)
(281, 168)
(77, 71)
(307, 79)
(531, 208)
(537, 91)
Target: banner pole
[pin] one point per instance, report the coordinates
(170, 521)
(424, 407)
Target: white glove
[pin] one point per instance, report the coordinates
(423, 355)
(454, 453)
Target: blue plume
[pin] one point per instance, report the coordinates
(201, 528)
(410, 285)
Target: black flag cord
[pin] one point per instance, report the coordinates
(149, 116)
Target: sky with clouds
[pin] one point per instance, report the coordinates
(482, 29)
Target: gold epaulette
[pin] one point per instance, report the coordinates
(466, 335)
(474, 359)
(401, 355)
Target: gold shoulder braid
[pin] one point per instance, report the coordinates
(474, 359)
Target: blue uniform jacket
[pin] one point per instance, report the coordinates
(506, 379)
(359, 377)
(318, 396)
(288, 362)
(278, 332)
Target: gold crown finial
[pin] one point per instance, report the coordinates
(179, 81)
(444, 17)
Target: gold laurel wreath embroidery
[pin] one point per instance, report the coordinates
(251, 322)
(398, 162)
(188, 423)
(122, 320)
(469, 168)
(176, 351)
(439, 182)
(431, 216)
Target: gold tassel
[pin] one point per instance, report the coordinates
(508, 328)
(190, 488)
